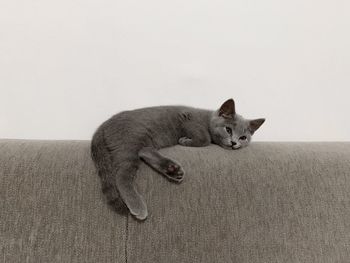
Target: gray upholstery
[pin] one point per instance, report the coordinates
(270, 202)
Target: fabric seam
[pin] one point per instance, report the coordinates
(126, 238)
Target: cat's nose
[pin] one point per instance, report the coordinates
(233, 143)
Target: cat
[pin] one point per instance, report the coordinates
(127, 138)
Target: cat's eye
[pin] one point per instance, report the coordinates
(229, 130)
(243, 138)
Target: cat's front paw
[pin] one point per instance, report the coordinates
(185, 141)
(173, 172)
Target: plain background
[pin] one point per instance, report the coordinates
(66, 66)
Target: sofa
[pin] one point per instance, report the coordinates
(269, 202)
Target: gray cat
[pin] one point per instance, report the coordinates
(120, 143)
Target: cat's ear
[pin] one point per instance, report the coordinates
(227, 110)
(255, 124)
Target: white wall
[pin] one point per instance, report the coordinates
(66, 66)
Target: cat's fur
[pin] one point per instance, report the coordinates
(120, 143)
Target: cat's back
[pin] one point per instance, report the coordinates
(158, 114)
(159, 124)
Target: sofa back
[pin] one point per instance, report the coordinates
(270, 202)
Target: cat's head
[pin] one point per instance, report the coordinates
(230, 130)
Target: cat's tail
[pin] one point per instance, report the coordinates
(117, 184)
(103, 162)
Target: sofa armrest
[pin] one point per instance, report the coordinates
(270, 202)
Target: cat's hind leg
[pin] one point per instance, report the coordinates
(125, 184)
(167, 167)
